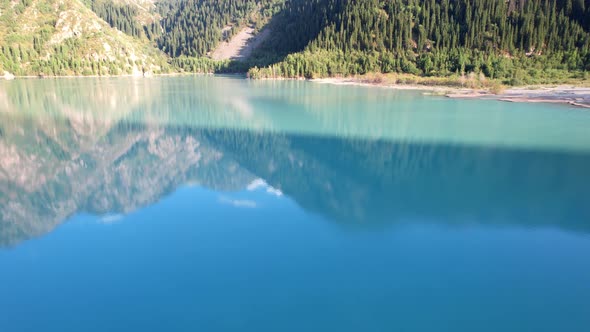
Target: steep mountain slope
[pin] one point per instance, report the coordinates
(137, 18)
(516, 41)
(195, 27)
(59, 37)
(434, 37)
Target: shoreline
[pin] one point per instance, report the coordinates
(2, 78)
(553, 94)
(561, 94)
(571, 95)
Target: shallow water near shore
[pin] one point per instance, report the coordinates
(218, 204)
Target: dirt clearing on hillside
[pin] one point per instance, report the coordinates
(241, 45)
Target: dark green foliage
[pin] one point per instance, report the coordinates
(205, 65)
(431, 37)
(121, 17)
(195, 27)
(515, 41)
(299, 23)
(487, 25)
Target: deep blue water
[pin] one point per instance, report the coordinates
(127, 209)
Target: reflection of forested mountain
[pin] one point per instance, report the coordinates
(119, 149)
(350, 181)
(363, 181)
(44, 180)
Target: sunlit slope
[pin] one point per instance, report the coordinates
(58, 37)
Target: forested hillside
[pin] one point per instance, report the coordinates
(64, 38)
(498, 38)
(513, 41)
(195, 27)
(121, 17)
(137, 18)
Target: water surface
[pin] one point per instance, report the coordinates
(220, 204)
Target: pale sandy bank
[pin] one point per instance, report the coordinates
(565, 94)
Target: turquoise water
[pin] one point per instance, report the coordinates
(222, 204)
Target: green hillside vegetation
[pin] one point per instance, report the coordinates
(130, 17)
(194, 27)
(53, 38)
(461, 42)
(118, 16)
(517, 41)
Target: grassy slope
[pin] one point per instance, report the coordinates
(37, 35)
